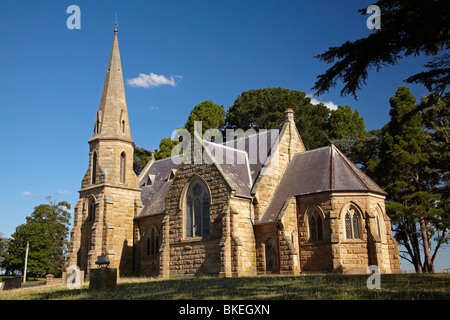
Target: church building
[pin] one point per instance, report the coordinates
(257, 204)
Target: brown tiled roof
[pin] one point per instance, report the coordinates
(320, 170)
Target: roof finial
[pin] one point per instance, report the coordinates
(115, 24)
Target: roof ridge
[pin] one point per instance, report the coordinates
(223, 146)
(253, 134)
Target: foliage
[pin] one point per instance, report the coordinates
(412, 166)
(4, 242)
(140, 158)
(40, 249)
(165, 148)
(346, 124)
(408, 28)
(363, 150)
(265, 109)
(210, 114)
(46, 231)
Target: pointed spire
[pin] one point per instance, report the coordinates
(112, 115)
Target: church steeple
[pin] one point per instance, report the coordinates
(112, 115)
(110, 193)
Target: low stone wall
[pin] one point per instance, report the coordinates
(51, 280)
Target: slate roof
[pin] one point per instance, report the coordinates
(152, 194)
(239, 160)
(234, 165)
(258, 147)
(320, 170)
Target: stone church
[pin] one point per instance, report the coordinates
(287, 210)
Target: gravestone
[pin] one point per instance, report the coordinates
(101, 279)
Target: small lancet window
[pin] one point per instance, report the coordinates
(94, 167)
(152, 243)
(348, 226)
(91, 210)
(122, 167)
(378, 227)
(352, 225)
(315, 226)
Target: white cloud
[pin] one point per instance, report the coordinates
(152, 80)
(28, 193)
(153, 108)
(64, 192)
(329, 104)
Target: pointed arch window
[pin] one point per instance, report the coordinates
(380, 229)
(122, 167)
(91, 210)
(197, 210)
(152, 242)
(94, 168)
(348, 226)
(352, 224)
(315, 225)
(378, 226)
(270, 255)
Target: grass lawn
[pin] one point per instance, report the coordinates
(303, 287)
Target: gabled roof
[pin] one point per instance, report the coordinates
(315, 171)
(258, 147)
(155, 183)
(234, 166)
(240, 162)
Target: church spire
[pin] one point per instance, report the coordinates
(112, 115)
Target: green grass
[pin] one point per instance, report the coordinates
(303, 287)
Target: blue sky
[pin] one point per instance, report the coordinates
(51, 78)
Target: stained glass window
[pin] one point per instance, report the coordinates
(205, 215)
(189, 217)
(355, 226)
(152, 243)
(312, 228)
(197, 218)
(319, 228)
(197, 189)
(348, 226)
(197, 210)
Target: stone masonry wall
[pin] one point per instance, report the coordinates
(289, 143)
(148, 264)
(195, 255)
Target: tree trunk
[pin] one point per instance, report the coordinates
(410, 228)
(427, 263)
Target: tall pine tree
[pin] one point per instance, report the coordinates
(406, 170)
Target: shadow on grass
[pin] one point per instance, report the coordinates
(304, 287)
